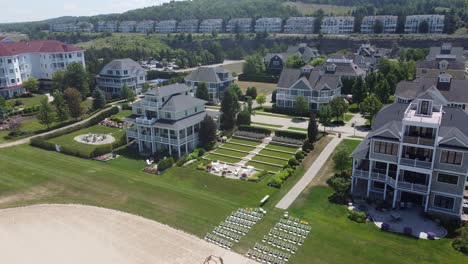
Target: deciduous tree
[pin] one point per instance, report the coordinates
(46, 114)
(312, 129)
(370, 107)
(261, 99)
(325, 115)
(229, 109)
(61, 107)
(99, 99)
(76, 76)
(302, 106)
(73, 98)
(31, 84)
(202, 92)
(207, 133)
(338, 107)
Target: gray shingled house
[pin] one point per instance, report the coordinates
(275, 62)
(217, 80)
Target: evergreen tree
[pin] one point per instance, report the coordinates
(76, 77)
(252, 92)
(229, 109)
(325, 116)
(202, 92)
(207, 133)
(237, 90)
(359, 90)
(382, 91)
(99, 99)
(46, 114)
(312, 129)
(61, 107)
(341, 158)
(302, 106)
(244, 117)
(73, 98)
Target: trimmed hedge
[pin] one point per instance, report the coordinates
(359, 217)
(280, 177)
(283, 110)
(290, 134)
(165, 164)
(258, 78)
(259, 130)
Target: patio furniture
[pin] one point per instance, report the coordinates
(395, 216)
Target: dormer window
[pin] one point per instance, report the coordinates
(331, 67)
(425, 107)
(443, 65)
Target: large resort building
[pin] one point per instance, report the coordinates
(299, 25)
(388, 24)
(39, 59)
(166, 120)
(239, 25)
(217, 80)
(118, 73)
(435, 24)
(269, 24)
(338, 25)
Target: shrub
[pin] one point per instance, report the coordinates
(290, 134)
(359, 217)
(460, 243)
(258, 176)
(165, 164)
(39, 143)
(201, 152)
(201, 167)
(99, 150)
(258, 78)
(259, 130)
(307, 146)
(278, 179)
(385, 227)
(293, 162)
(408, 230)
(299, 155)
(182, 161)
(342, 186)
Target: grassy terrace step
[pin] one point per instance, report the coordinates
(244, 142)
(280, 162)
(282, 148)
(231, 153)
(266, 124)
(298, 129)
(262, 166)
(215, 157)
(237, 147)
(276, 154)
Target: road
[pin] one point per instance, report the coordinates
(226, 62)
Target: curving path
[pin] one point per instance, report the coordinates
(56, 234)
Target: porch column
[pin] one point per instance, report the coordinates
(385, 191)
(352, 179)
(395, 194)
(178, 142)
(369, 181)
(169, 141)
(140, 147)
(429, 185)
(153, 143)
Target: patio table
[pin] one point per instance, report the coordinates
(395, 215)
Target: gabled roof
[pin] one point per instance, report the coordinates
(182, 123)
(316, 80)
(206, 74)
(456, 53)
(45, 46)
(457, 92)
(434, 64)
(181, 102)
(389, 130)
(270, 56)
(167, 90)
(123, 64)
(362, 151)
(448, 134)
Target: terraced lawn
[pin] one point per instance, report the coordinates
(230, 153)
(298, 129)
(238, 147)
(215, 157)
(266, 124)
(262, 166)
(276, 153)
(245, 142)
(282, 148)
(270, 160)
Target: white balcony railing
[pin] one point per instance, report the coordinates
(145, 121)
(390, 181)
(378, 176)
(309, 98)
(361, 174)
(416, 163)
(132, 133)
(419, 140)
(413, 186)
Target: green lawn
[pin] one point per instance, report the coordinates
(237, 147)
(266, 88)
(262, 166)
(348, 117)
(275, 153)
(67, 140)
(266, 124)
(234, 67)
(282, 148)
(270, 160)
(230, 153)
(298, 129)
(244, 141)
(27, 101)
(122, 115)
(222, 158)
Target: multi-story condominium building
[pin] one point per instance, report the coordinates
(446, 52)
(217, 80)
(127, 26)
(145, 26)
(389, 24)
(274, 62)
(72, 27)
(317, 86)
(38, 59)
(210, 25)
(338, 25)
(269, 24)
(414, 155)
(108, 26)
(168, 121)
(299, 25)
(117, 73)
(166, 26)
(239, 25)
(188, 26)
(435, 22)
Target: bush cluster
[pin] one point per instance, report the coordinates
(356, 216)
(278, 179)
(259, 130)
(290, 134)
(165, 164)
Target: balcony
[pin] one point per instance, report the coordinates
(145, 121)
(361, 174)
(378, 175)
(309, 98)
(391, 181)
(416, 163)
(132, 133)
(415, 187)
(419, 140)
(150, 104)
(412, 116)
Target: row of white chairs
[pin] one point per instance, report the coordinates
(226, 234)
(240, 222)
(286, 237)
(263, 258)
(279, 244)
(291, 230)
(295, 224)
(218, 241)
(272, 252)
(234, 228)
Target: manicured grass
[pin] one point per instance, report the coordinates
(222, 158)
(27, 101)
(353, 108)
(237, 147)
(348, 117)
(262, 166)
(266, 88)
(234, 67)
(122, 115)
(282, 148)
(276, 154)
(244, 141)
(266, 124)
(230, 153)
(184, 198)
(270, 160)
(298, 129)
(68, 139)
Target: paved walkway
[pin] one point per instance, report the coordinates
(257, 149)
(310, 174)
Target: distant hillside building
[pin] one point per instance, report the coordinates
(389, 24)
(127, 26)
(435, 22)
(299, 25)
(338, 25)
(107, 26)
(39, 59)
(239, 25)
(274, 62)
(217, 80)
(167, 120)
(210, 25)
(145, 26)
(117, 73)
(188, 26)
(269, 24)
(72, 27)
(166, 26)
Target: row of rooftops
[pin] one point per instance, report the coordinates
(37, 46)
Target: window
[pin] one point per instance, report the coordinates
(117, 72)
(186, 112)
(168, 115)
(125, 72)
(79, 54)
(447, 178)
(386, 148)
(109, 72)
(12, 81)
(444, 202)
(451, 157)
(9, 61)
(425, 107)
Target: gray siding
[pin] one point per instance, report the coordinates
(456, 206)
(455, 189)
(463, 168)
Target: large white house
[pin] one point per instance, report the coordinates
(38, 59)
(118, 73)
(269, 24)
(435, 23)
(217, 80)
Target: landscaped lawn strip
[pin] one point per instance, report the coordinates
(122, 115)
(279, 162)
(266, 124)
(245, 142)
(262, 166)
(27, 101)
(231, 153)
(276, 153)
(68, 139)
(298, 129)
(348, 117)
(237, 147)
(282, 148)
(215, 157)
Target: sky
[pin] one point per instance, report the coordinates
(34, 10)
